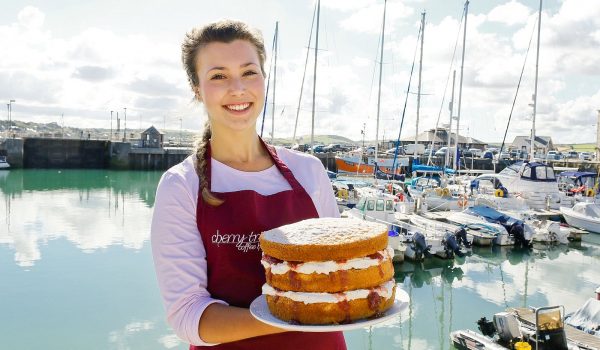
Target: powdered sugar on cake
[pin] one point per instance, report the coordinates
(325, 231)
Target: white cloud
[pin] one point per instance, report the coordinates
(347, 5)
(86, 74)
(31, 18)
(510, 13)
(368, 19)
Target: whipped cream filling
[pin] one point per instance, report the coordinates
(385, 291)
(326, 267)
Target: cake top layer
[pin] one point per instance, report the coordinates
(324, 239)
(325, 231)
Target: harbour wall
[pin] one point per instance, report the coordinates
(50, 153)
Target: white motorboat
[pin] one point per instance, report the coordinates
(501, 236)
(409, 241)
(480, 236)
(583, 215)
(3, 163)
(533, 181)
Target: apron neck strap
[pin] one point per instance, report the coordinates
(281, 166)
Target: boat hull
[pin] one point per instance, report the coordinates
(354, 165)
(577, 220)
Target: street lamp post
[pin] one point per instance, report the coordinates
(10, 115)
(110, 135)
(7, 120)
(125, 126)
(180, 131)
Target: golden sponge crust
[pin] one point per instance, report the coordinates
(314, 252)
(338, 281)
(326, 313)
(324, 239)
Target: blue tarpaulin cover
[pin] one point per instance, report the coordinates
(492, 215)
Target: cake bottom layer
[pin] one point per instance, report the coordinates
(343, 311)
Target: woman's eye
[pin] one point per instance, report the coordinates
(249, 73)
(217, 77)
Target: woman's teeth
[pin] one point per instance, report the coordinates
(239, 107)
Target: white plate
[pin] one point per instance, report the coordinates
(260, 311)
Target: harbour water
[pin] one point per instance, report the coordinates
(76, 272)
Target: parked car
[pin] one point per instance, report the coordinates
(430, 150)
(301, 147)
(334, 147)
(552, 155)
(488, 155)
(442, 151)
(392, 151)
(504, 155)
(585, 156)
(318, 148)
(476, 152)
(572, 154)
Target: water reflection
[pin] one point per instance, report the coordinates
(452, 294)
(93, 209)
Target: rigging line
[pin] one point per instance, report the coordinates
(373, 76)
(304, 74)
(273, 48)
(429, 161)
(518, 86)
(405, 102)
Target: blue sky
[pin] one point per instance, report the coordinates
(86, 58)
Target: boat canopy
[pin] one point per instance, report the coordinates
(431, 169)
(577, 174)
(492, 215)
(532, 171)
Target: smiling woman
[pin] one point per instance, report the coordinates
(211, 208)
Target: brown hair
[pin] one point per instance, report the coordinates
(224, 31)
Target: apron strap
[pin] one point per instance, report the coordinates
(281, 166)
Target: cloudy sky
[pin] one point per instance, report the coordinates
(86, 58)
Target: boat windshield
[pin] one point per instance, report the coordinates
(538, 172)
(512, 170)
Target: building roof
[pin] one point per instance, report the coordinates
(540, 141)
(441, 137)
(152, 130)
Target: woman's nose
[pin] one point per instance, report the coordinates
(237, 86)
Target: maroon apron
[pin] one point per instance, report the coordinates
(230, 235)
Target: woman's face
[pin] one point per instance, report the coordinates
(231, 84)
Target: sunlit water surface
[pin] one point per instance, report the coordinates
(76, 272)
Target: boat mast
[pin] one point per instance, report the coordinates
(379, 88)
(304, 75)
(419, 87)
(534, 105)
(462, 66)
(450, 107)
(312, 128)
(274, 82)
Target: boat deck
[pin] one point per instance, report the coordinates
(527, 316)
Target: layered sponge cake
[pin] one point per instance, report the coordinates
(328, 270)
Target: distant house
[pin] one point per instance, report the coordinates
(440, 139)
(152, 138)
(542, 144)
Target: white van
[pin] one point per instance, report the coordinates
(410, 148)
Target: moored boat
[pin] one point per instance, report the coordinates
(585, 216)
